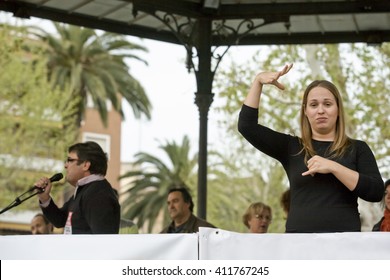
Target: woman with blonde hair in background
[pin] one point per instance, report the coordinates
(257, 217)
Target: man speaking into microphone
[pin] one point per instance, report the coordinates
(94, 207)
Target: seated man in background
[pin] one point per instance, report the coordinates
(41, 225)
(180, 207)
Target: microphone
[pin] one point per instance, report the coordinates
(54, 178)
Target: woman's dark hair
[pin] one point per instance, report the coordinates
(186, 196)
(285, 200)
(387, 183)
(92, 152)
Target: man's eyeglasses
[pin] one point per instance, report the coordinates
(69, 160)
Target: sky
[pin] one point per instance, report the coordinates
(171, 90)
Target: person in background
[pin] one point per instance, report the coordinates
(180, 208)
(257, 217)
(94, 207)
(384, 223)
(285, 201)
(327, 170)
(41, 225)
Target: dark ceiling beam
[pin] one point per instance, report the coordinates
(369, 37)
(307, 8)
(186, 8)
(87, 21)
(248, 11)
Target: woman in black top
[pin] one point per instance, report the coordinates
(327, 170)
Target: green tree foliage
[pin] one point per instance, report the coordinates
(230, 192)
(146, 193)
(94, 64)
(36, 124)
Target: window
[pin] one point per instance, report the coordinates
(103, 140)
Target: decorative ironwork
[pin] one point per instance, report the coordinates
(186, 34)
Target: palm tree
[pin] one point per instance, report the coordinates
(94, 65)
(149, 185)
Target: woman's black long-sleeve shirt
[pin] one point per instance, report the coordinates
(319, 203)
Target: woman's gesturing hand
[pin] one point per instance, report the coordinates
(272, 77)
(318, 164)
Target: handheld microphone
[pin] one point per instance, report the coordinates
(54, 178)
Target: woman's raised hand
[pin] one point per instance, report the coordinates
(271, 78)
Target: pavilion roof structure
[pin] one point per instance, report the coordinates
(202, 26)
(234, 22)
